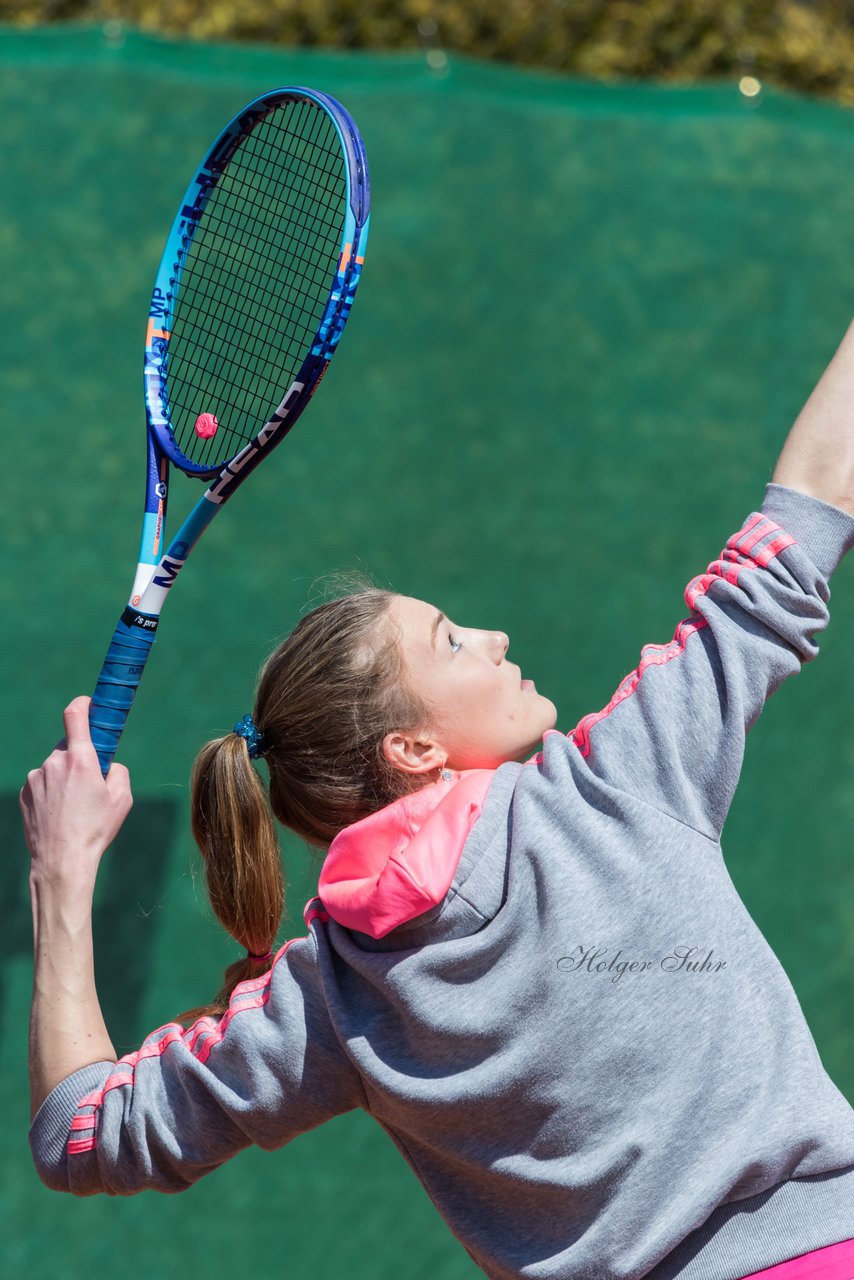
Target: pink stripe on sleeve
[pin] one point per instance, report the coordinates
(739, 553)
(77, 1145)
(774, 548)
(751, 533)
(754, 531)
(652, 655)
(199, 1039)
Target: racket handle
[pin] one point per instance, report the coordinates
(118, 682)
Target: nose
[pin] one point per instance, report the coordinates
(501, 644)
(494, 643)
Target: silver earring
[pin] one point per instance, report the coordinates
(445, 775)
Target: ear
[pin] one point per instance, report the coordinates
(414, 753)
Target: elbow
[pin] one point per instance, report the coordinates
(53, 1173)
(50, 1154)
(56, 1176)
(49, 1151)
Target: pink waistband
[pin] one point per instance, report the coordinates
(834, 1262)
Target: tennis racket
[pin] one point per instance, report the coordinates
(253, 291)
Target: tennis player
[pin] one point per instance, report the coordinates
(526, 959)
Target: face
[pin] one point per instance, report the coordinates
(484, 713)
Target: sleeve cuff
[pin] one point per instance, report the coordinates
(825, 533)
(52, 1123)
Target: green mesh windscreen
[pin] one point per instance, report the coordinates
(588, 317)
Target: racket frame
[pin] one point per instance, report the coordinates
(157, 569)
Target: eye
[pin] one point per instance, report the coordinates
(454, 642)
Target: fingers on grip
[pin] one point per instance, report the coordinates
(116, 687)
(76, 720)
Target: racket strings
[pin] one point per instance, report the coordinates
(263, 278)
(255, 279)
(258, 323)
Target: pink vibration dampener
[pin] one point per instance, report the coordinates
(206, 426)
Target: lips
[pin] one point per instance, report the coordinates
(527, 685)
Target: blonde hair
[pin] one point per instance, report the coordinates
(326, 698)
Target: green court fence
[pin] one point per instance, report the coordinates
(587, 320)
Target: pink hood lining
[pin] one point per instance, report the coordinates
(400, 861)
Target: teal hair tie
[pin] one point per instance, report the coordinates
(248, 730)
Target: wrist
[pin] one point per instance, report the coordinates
(61, 902)
(75, 879)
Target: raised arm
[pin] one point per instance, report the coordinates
(674, 731)
(673, 734)
(71, 816)
(270, 1068)
(818, 456)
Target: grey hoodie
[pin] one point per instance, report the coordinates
(542, 983)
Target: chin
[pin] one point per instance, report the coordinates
(550, 719)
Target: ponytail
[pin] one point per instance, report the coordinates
(234, 829)
(326, 698)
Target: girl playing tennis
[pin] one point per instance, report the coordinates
(525, 959)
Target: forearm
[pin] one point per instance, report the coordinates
(67, 1028)
(818, 456)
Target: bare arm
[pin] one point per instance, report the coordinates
(71, 815)
(818, 456)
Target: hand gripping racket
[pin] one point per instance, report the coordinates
(253, 292)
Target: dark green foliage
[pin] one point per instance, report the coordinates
(801, 46)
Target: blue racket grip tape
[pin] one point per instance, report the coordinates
(118, 681)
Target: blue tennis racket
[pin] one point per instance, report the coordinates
(254, 289)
